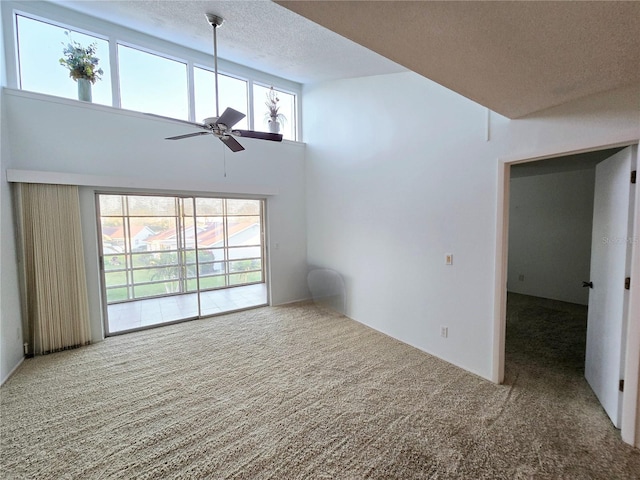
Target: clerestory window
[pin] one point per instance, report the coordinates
(147, 82)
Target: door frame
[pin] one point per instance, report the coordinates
(630, 396)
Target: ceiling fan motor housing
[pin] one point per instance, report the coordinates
(222, 125)
(214, 19)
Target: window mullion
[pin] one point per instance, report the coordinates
(196, 251)
(225, 238)
(251, 122)
(125, 73)
(114, 65)
(250, 110)
(126, 232)
(191, 91)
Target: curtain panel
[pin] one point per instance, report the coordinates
(56, 300)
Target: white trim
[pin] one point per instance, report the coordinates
(632, 360)
(622, 141)
(151, 51)
(13, 370)
(630, 405)
(59, 178)
(60, 24)
(307, 299)
(501, 252)
(296, 103)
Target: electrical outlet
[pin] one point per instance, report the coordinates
(444, 331)
(521, 278)
(448, 258)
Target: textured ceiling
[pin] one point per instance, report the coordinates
(568, 163)
(513, 57)
(259, 34)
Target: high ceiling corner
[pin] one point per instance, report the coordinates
(515, 58)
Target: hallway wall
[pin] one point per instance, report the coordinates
(550, 219)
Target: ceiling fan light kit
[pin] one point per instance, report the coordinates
(222, 125)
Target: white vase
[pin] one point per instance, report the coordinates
(274, 126)
(84, 90)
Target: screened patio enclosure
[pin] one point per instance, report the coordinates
(173, 258)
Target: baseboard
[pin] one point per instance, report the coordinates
(306, 299)
(13, 370)
(564, 300)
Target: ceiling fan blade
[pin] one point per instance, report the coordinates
(193, 124)
(275, 137)
(232, 143)
(230, 117)
(196, 134)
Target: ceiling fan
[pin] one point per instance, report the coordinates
(222, 125)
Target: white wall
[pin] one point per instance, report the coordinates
(550, 221)
(399, 173)
(11, 351)
(10, 320)
(58, 135)
(95, 145)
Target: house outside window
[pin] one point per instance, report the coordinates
(164, 245)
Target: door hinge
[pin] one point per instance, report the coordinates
(633, 176)
(627, 283)
(621, 385)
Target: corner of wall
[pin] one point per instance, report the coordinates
(11, 337)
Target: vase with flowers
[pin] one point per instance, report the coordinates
(82, 65)
(273, 117)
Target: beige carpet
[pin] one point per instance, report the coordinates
(293, 392)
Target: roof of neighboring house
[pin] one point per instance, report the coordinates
(215, 235)
(117, 233)
(167, 235)
(208, 236)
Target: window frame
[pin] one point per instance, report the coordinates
(250, 114)
(129, 252)
(54, 23)
(188, 73)
(114, 34)
(296, 123)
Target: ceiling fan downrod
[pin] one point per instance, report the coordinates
(215, 22)
(221, 125)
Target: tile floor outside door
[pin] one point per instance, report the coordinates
(155, 311)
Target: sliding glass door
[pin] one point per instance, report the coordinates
(229, 248)
(173, 258)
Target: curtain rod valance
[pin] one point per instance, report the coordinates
(81, 180)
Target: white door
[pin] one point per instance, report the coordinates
(609, 253)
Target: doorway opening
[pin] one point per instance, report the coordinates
(544, 313)
(166, 259)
